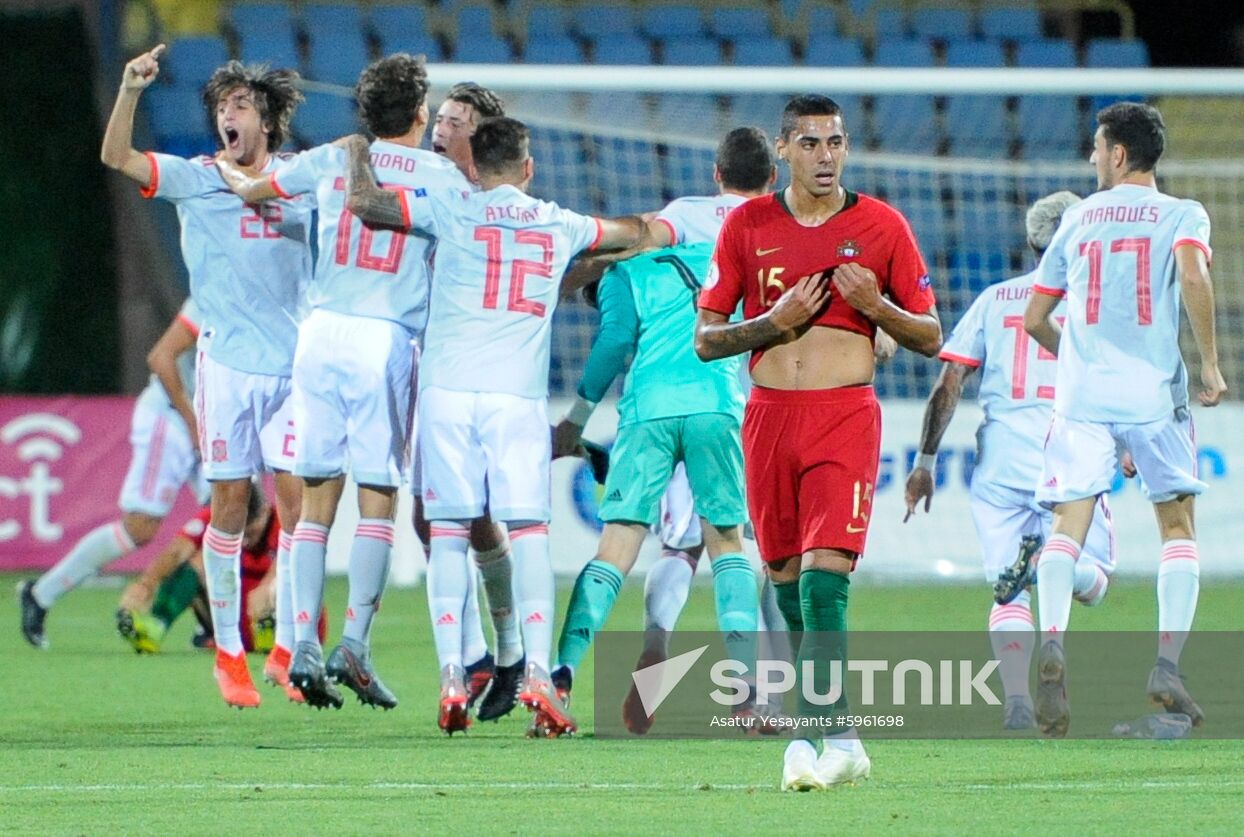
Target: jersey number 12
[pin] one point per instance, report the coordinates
(520, 269)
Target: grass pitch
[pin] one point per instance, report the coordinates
(96, 739)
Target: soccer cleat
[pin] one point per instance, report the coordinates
(350, 665)
(634, 717)
(1017, 713)
(234, 680)
(540, 696)
(276, 666)
(453, 716)
(752, 721)
(502, 695)
(597, 459)
(143, 632)
(1167, 689)
(307, 675)
(33, 615)
(1022, 574)
(799, 767)
(203, 640)
(838, 767)
(478, 675)
(1053, 711)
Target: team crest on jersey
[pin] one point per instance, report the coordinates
(924, 282)
(220, 450)
(849, 249)
(714, 273)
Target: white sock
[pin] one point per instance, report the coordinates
(1091, 583)
(448, 585)
(771, 618)
(1056, 571)
(1011, 635)
(368, 572)
(666, 589)
(474, 644)
(222, 569)
(534, 590)
(848, 741)
(97, 547)
(496, 569)
(284, 593)
(306, 562)
(1179, 583)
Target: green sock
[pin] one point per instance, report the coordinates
(787, 595)
(175, 594)
(738, 606)
(595, 591)
(823, 596)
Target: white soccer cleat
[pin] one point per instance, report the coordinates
(799, 767)
(842, 767)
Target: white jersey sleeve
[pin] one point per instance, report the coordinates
(176, 178)
(966, 343)
(303, 172)
(1193, 228)
(698, 219)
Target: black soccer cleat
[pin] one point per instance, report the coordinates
(502, 694)
(1167, 690)
(597, 459)
(350, 665)
(33, 615)
(307, 674)
(478, 676)
(1022, 574)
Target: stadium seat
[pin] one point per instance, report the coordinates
(986, 220)
(694, 115)
(978, 126)
(822, 20)
(176, 112)
(853, 116)
(402, 27)
(543, 21)
(338, 51)
(1045, 53)
(630, 109)
(905, 123)
(975, 54)
(474, 21)
(890, 23)
(483, 48)
(1013, 24)
(552, 49)
(918, 196)
(275, 46)
(190, 62)
(561, 174)
(942, 24)
(832, 51)
(623, 49)
(604, 22)
(902, 52)
(763, 110)
(626, 175)
(688, 171)
(544, 104)
(762, 51)
(1049, 127)
(735, 23)
(250, 18)
(662, 21)
(695, 51)
(971, 271)
(322, 118)
(332, 22)
(1113, 52)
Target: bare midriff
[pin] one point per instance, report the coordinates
(823, 358)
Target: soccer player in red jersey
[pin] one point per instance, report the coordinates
(819, 269)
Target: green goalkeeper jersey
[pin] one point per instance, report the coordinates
(648, 311)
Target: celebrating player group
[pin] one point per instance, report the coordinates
(383, 361)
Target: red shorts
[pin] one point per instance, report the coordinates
(811, 461)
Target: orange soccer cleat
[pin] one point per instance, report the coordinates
(276, 666)
(234, 680)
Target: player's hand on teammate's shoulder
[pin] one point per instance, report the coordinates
(858, 286)
(1213, 386)
(351, 141)
(143, 70)
(919, 487)
(566, 437)
(800, 304)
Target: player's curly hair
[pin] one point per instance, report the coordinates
(276, 95)
(745, 160)
(809, 104)
(390, 92)
(486, 103)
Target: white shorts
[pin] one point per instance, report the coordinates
(246, 421)
(351, 396)
(1081, 458)
(484, 449)
(1004, 515)
(162, 460)
(680, 525)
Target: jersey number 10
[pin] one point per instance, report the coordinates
(520, 269)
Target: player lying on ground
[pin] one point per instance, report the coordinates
(1017, 397)
(164, 457)
(1123, 259)
(247, 265)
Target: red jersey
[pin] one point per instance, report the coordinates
(762, 251)
(255, 562)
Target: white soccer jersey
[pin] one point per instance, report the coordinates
(365, 270)
(698, 219)
(153, 395)
(500, 257)
(1114, 258)
(1016, 384)
(248, 264)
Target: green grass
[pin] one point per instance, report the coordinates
(95, 739)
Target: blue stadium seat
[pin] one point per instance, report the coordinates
(550, 104)
(762, 51)
(552, 49)
(662, 21)
(176, 112)
(249, 18)
(902, 52)
(1049, 127)
(694, 114)
(975, 54)
(852, 113)
(978, 126)
(688, 171)
(335, 22)
(1013, 24)
(190, 62)
(823, 21)
(971, 271)
(1045, 53)
(604, 21)
(404, 28)
(482, 48)
(986, 220)
(275, 47)
(890, 23)
(943, 24)
(735, 23)
(1113, 52)
(561, 172)
(696, 51)
(623, 49)
(547, 21)
(919, 198)
(763, 110)
(832, 51)
(630, 109)
(323, 118)
(474, 21)
(905, 123)
(627, 177)
(337, 60)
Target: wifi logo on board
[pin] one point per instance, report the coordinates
(38, 440)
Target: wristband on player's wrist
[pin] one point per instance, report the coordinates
(580, 411)
(927, 461)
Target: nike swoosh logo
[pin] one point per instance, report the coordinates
(760, 252)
